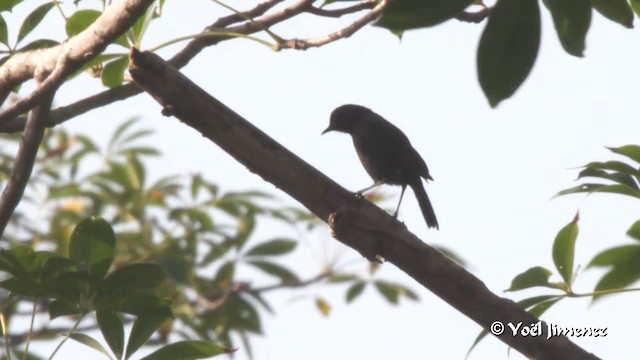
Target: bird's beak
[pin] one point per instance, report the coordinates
(327, 130)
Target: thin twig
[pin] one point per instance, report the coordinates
(260, 9)
(303, 44)
(364, 5)
(289, 284)
(30, 334)
(68, 335)
(218, 298)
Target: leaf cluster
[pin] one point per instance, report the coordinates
(510, 42)
(183, 246)
(621, 262)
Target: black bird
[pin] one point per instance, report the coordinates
(386, 154)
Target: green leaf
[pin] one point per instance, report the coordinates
(32, 20)
(340, 278)
(133, 277)
(634, 231)
(414, 14)
(272, 248)
(243, 315)
(508, 48)
(617, 166)
(22, 287)
(477, 340)
(620, 189)
(619, 277)
(112, 329)
(80, 20)
(630, 151)
(535, 276)
(136, 172)
(593, 188)
(323, 306)
(4, 32)
(564, 250)
(143, 327)
(138, 29)
(138, 134)
(113, 72)
(187, 350)
(616, 256)
(90, 342)
(120, 131)
(135, 303)
(13, 261)
(92, 246)
(196, 185)
(540, 308)
(620, 178)
(75, 286)
(244, 227)
(533, 301)
(615, 10)
(276, 270)
(408, 293)
(225, 273)
(572, 19)
(388, 290)
(451, 255)
(143, 150)
(62, 307)
(39, 44)
(354, 291)
(635, 4)
(56, 266)
(7, 5)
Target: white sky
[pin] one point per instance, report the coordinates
(495, 170)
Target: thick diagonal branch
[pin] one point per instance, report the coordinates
(357, 223)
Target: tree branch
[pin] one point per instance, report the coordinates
(303, 44)
(288, 285)
(193, 48)
(216, 299)
(25, 158)
(364, 5)
(179, 60)
(114, 21)
(47, 88)
(260, 9)
(355, 222)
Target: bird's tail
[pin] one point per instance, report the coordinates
(425, 204)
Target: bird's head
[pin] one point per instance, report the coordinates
(346, 118)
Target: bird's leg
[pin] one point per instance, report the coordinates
(395, 214)
(360, 192)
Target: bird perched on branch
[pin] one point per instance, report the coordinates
(386, 154)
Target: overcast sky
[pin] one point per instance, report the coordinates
(495, 170)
